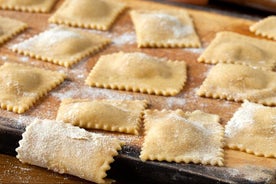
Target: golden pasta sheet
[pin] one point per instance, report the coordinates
(179, 136)
(112, 115)
(138, 72)
(253, 129)
(62, 45)
(239, 83)
(9, 28)
(229, 47)
(41, 6)
(95, 14)
(265, 27)
(164, 28)
(21, 85)
(67, 149)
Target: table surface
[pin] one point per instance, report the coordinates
(12, 171)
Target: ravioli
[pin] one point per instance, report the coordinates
(253, 129)
(160, 28)
(94, 14)
(112, 115)
(138, 72)
(240, 83)
(265, 27)
(64, 148)
(40, 6)
(22, 85)
(177, 136)
(229, 47)
(61, 45)
(10, 28)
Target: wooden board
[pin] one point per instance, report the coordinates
(239, 166)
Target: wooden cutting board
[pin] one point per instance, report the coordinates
(239, 166)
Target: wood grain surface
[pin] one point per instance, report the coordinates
(239, 164)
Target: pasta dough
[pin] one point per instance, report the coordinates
(61, 45)
(67, 149)
(228, 47)
(21, 85)
(138, 72)
(9, 28)
(253, 129)
(41, 6)
(239, 83)
(183, 137)
(164, 29)
(95, 14)
(113, 115)
(265, 27)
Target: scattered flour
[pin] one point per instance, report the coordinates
(125, 38)
(24, 120)
(88, 92)
(195, 50)
(4, 58)
(24, 59)
(74, 90)
(174, 101)
(255, 174)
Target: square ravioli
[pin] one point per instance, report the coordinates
(229, 47)
(9, 28)
(40, 6)
(164, 28)
(265, 27)
(179, 136)
(253, 129)
(94, 14)
(138, 72)
(112, 115)
(61, 45)
(21, 85)
(240, 83)
(64, 148)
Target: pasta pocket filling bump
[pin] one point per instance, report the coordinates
(177, 136)
(62, 45)
(22, 85)
(94, 14)
(112, 115)
(240, 83)
(253, 129)
(160, 28)
(138, 72)
(229, 47)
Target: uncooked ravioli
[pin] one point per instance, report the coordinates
(160, 28)
(177, 136)
(138, 72)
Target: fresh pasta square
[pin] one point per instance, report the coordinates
(22, 85)
(62, 45)
(112, 115)
(162, 28)
(138, 72)
(177, 136)
(94, 14)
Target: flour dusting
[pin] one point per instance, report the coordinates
(76, 91)
(4, 58)
(125, 38)
(243, 117)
